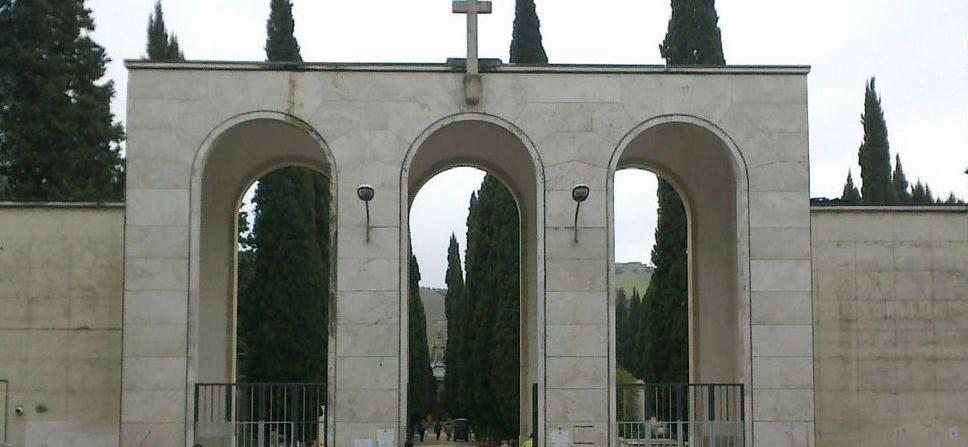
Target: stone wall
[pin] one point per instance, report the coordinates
(60, 323)
(891, 326)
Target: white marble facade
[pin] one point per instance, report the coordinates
(199, 132)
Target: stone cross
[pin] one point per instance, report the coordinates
(472, 8)
(473, 87)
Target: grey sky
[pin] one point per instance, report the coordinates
(917, 49)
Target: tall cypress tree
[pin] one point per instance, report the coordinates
(161, 46)
(874, 153)
(902, 192)
(693, 38)
(420, 391)
(851, 195)
(526, 47)
(284, 306)
(452, 309)
(58, 138)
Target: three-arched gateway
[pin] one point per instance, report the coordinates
(732, 140)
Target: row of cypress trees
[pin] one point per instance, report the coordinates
(881, 185)
(483, 356)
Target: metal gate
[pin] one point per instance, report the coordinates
(679, 414)
(260, 415)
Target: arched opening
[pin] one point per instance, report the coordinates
(243, 150)
(696, 163)
(504, 153)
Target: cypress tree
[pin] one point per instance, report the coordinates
(420, 392)
(874, 153)
(851, 195)
(526, 47)
(281, 44)
(284, 303)
(58, 138)
(902, 194)
(621, 327)
(284, 314)
(692, 38)
(161, 46)
(452, 309)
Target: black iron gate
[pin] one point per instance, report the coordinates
(260, 415)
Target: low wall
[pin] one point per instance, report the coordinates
(60, 322)
(890, 300)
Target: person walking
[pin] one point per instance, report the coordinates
(422, 430)
(437, 430)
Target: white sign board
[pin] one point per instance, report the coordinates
(560, 438)
(386, 437)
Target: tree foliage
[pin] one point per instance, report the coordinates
(874, 153)
(283, 314)
(284, 265)
(161, 45)
(851, 194)
(487, 372)
(452, 305)
(899, 183)
(693, 36)
(421, 388)
(58, 138)
(526, 47)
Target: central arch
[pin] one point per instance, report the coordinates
(496, 146)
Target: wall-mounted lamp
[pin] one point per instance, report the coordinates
(579, 193)
(365, 193)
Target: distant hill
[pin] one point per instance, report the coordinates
(629, 275)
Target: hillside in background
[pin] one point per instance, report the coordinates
(433, 301)
(629, 275)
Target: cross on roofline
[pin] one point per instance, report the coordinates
(472, 8)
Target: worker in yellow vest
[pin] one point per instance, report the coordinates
(529, 442)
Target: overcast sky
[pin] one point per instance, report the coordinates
(918, 49)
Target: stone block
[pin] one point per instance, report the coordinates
(566, 275)
(368, 308)
(141, 274)
(783, 405)
(779, 210)
(564, 176)
(780, 276)
(153, 406)
(560, 211)
(384, 242)
(592, 244)
(367, 340)
(367, 373)
(368, 274)
(576, 372)
(148, 207)
(782, 340)
(155, 340)
(783, 372)
(155, 306)
(154, 373)
(577, 308)
(152, 434)
(781, 176)
(582, 405)
(577, 340)
(781, 308)
(792, 434)
(156, 241)
(780, 243)
(365, 405)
